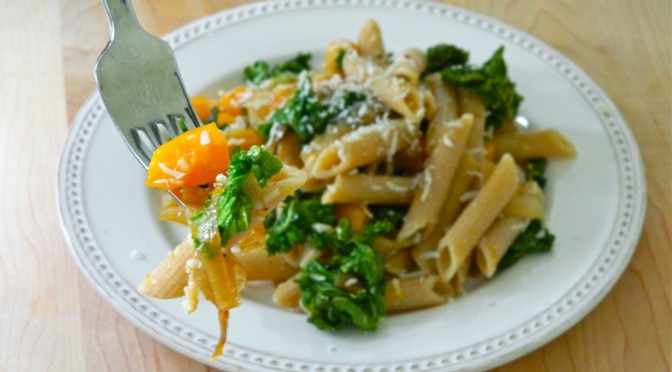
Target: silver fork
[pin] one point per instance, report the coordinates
(140, 84)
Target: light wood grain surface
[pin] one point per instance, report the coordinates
(51, 318)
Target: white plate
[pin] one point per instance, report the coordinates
(595, 202)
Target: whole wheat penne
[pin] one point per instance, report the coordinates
(497, 241)
(528, 202)
(417, 292)
(408, 65)
(466, 175)
(366, 145)
(446, 101)
(370, 42)
(169, 278)
(462, 237)
(259, 265)
(371, 189)
(436, 178)
(530, 145)
(287, 294)
(470, 103)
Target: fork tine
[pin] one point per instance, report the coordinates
(144, 145)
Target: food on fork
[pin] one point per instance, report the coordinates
(376, 184)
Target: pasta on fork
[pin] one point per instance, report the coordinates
(380, 182)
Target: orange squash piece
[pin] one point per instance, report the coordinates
(193, 158)
(202, 107)
(243, 138)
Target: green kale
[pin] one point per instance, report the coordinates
(261, 71)
(348, 288)
(535, 170)
(234, 206)
(534, 239)
(339, 59)
(293, 224)
(386, 219)
(306, 115)
(203, 226)
(444, 55)
(491, 83)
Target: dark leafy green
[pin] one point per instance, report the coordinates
(306, 115)
(491, 83)
(339, 59)
(216, 222)
(534, 239)
(326, 292)
(535, 170)
(261, 71)
(293, 223)
(443, 56)
(231, 213)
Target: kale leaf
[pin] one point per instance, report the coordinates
(306, 115)
(491, 83)
(293, 224)
(216, 222)
(260, 71)
(535, 170)
(234, 206)
(534, 239)
(444, 55)
(349, 287)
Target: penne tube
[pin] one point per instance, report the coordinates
(497, 241)
(462, 237)
(370, 42)
(366, 145)
(528, 202)
(436, 178)
(466, 175)
(371, 189)
(415, 293)
(474, 105)
(258, 265)
(446, 103)
(388, 246)
(397, 93)
(288, 150)
(400, 262)
(287, 294)
(408, 65)
(530, 145)
(169, 278)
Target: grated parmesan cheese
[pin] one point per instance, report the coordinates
(447, 141)
(468, 196)
(427, 179)
(429, 255)
(320, 227)
(170, 172)
(413, 274)
(395, 187)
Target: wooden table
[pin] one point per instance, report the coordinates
(51, 318)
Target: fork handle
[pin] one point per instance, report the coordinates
(121, 17)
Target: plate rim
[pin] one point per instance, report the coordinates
(506, 348)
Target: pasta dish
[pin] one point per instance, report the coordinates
(378, 183)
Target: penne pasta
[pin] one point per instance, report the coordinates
(370, 42)
(496, 241)
(371, 189)
(418, 292)
(366, 145)
(530, 145)
(437, 176)
(462, 237)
